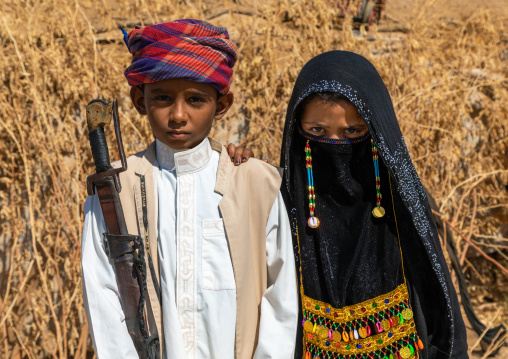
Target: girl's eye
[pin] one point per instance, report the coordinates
(353, 130)
(317, 130)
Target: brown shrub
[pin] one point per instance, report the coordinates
(448, 81)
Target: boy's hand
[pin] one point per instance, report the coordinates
(239, 154)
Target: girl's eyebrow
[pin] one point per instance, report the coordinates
(314, 122)
(359, 125)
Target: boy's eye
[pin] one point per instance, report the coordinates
(162, 98)
(196, 99)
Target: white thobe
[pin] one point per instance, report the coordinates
(196, 271)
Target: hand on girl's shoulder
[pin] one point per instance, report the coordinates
(240, 154)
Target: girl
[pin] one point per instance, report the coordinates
(373, 279)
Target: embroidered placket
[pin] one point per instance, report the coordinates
(186, 261)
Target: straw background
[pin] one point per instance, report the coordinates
(447, 78)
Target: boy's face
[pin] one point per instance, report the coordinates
(339, 120)
(181, 112)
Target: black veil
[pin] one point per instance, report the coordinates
(437, 312)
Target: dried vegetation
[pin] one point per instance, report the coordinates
(448, 81)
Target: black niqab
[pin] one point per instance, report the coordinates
(350, 247)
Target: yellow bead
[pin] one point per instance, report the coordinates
(407, 314)
(362, 332)
(385, 324)
(336, 336)
(378, 212)
(307, 326)
(322, 331)
(405, 352)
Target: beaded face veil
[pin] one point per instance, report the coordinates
(313, 221)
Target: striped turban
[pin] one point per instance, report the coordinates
(183, 49)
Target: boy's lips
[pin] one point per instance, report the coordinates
(178, 134)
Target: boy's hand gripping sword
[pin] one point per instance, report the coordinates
(124, 250)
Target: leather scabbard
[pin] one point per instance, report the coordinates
(121, 251)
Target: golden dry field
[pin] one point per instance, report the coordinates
(447, 73)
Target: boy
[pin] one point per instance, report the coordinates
(219, 235)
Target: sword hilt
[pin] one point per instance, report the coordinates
(99, 114)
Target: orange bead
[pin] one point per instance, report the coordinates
(307, 355)
(345, 336)
(420, 344)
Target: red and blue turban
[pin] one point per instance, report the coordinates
(183, 49)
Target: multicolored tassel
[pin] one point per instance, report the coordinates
(377, 211)
(313, 221)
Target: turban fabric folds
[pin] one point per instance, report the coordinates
(183, 49)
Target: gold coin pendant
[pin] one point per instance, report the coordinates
(407, 314)
(378, 212)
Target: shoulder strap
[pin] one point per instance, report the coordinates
(147, 242)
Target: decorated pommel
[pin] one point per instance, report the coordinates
(99, 113)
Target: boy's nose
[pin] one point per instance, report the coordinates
(178, 114)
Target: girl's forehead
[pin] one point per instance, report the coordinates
(320, 110)
(337, 87)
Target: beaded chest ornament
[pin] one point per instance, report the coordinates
(379, 328)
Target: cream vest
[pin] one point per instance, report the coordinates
(244, 214)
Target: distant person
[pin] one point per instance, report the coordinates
(373, 279)
(219, 234)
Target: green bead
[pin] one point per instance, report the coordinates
(317, 307)
(348, 347)
(374, 305)
(380, 341)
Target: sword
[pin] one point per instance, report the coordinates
(119, 245)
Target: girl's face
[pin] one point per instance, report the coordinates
(338, 120)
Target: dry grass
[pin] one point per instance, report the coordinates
(448, 82)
